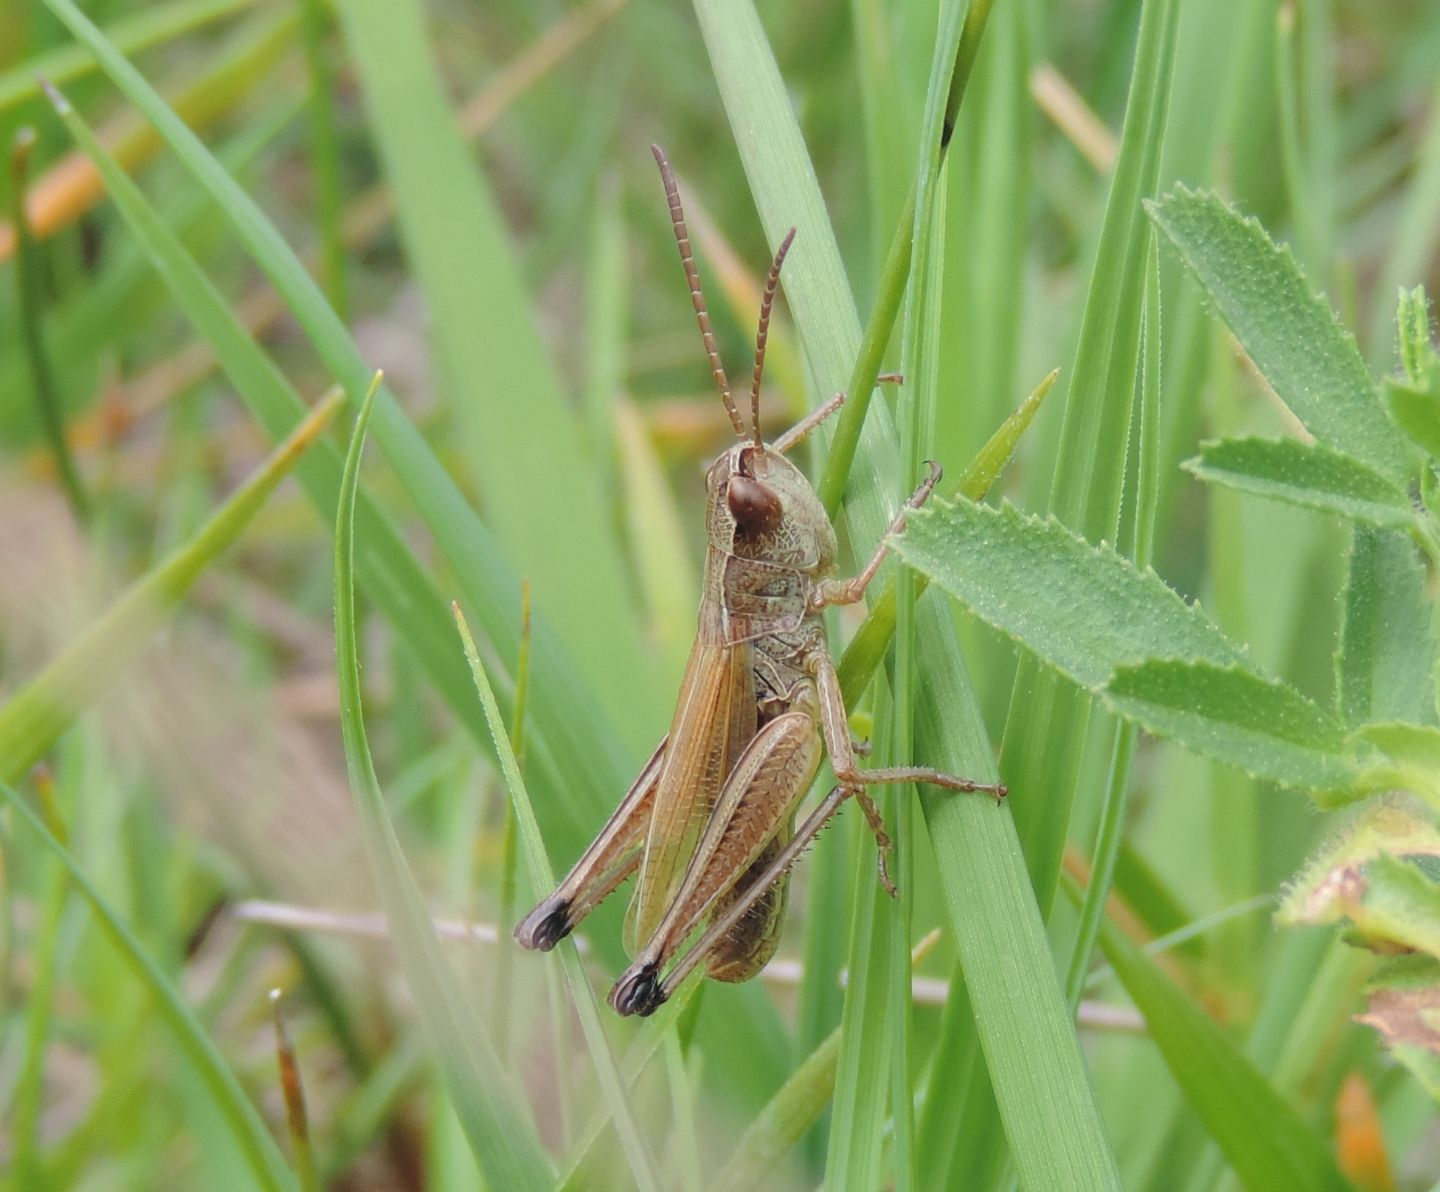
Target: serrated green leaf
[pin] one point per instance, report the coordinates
(1084, 610)
(1263, 1138)
(1413, 758)
(1384, 668)
(1256, 724)
(1307, 474)
(1412, 321)
(1290, 332)
(1417, 412)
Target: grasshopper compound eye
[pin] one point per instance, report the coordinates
(755, 507)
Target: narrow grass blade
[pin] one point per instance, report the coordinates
(153, 25)
(325, 151)
(865, 651)
(581, 992)
(1046, 723)
(37, 355)
(392, 575)
(1047, 1104)
(500, 1135)
(487, 581)
(771, 1137)
(267, 1165)
(32, 719)
(70, 188)
(514, 423)
(1263, 1138)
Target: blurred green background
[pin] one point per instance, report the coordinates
(471, 186)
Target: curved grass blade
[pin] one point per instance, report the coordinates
(266, 1163)
(502, 1138)
(543, 874)
(32, 719)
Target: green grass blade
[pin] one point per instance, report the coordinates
(1046, 1101)
(29, 295)
(1263, 1138)
(35, 716)
(587, 1005)
(769, 1139)
(393, 577)
(267, 1165)
(500, 1135)
(488, 582)
(325, 151)
(865, 651)
(1045, 728)
(154, 24)
(515, 426)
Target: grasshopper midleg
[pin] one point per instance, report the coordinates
(709, 823)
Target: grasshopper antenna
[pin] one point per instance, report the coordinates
(763, 333)
(692, 275)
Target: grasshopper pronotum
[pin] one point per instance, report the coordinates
(709, 822)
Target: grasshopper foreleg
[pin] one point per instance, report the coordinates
(850, 591)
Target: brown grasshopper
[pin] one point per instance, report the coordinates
(709, 822)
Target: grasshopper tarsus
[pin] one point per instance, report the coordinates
(542, 931)
(883, 844)
(639, 993)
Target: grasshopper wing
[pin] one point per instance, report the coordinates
(715, 718)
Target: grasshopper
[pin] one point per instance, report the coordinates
(709, 822)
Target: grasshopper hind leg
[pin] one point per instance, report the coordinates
(748, 946)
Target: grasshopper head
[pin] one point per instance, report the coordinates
(762, 507)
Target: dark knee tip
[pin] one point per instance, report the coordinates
(543, 932)
(637, 992)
